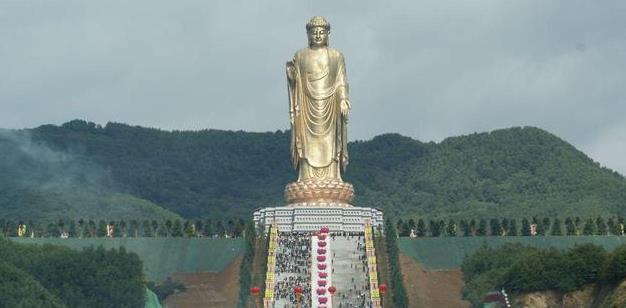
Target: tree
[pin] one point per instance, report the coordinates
(556, 227)
(399, 225)
(81, 228)
(610, 224)
(155, 228)
(405, 229)
(189, 229)
(161, 230)
(421, 228)
(230, 228)
(578, 225)
(546, 225)
(412, 225)
(482, 228)
(72, 229)
(436, 228)
(589, 228)
(464, 227)
(472, 227)
(505, 227)
(123, 231)
(208, 228)
(168, 227)
(451, 229)
(239, 227)
(494, 225)
(570, 228)
(602, 229)
(134, 228)
(177, 229)
(52, 230)
(147, 229)
(219, 229)
(61, 225)
(102, 229)
(513, 228)
(92, 228)
(525, 227)
(199, 228)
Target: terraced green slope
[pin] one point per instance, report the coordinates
(448, 252)
(162, 256)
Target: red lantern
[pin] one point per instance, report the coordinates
(321, 237)
(321, 266)
(321, 283)
(324, 230)
(321, 291)
(322, 300)
(255, 291)
(382, 288)
(298, 290)
(323, 274)
(321, 258)
(321, 251)
(332, 290)
(321, 244)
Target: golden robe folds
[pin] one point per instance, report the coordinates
(317, 85)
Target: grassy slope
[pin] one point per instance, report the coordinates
(448, 252)
(162, 256)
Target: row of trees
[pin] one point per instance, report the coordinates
(247, 265)
(398, 292)
(148, 228)
(518, 268)
(509, 227)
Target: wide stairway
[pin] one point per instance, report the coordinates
(349, 267)
(293, 269)
(337, 269)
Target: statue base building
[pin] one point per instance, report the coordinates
(315, 204)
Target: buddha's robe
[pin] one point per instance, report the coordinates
(318, 129)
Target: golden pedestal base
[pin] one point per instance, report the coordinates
(316, 191)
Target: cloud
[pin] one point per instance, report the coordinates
(427, 69)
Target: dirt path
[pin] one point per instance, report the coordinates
(432, 289)
(208, 289)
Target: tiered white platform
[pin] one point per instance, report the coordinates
(309, 217)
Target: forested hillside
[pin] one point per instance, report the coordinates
(516, 172)
(54, 276)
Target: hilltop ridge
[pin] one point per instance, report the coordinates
(515, 172)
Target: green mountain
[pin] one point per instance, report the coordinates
(512, 172)
(40, 184)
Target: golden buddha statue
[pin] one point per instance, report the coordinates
(318, 112)
(318, 106)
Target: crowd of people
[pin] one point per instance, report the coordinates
(293, 269)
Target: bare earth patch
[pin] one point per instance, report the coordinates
(207, 289)
(432, 288)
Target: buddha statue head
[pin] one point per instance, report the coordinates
(317, 30)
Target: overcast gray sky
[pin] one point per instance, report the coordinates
(425, 69)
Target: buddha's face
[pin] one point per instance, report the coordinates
(318, 37)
